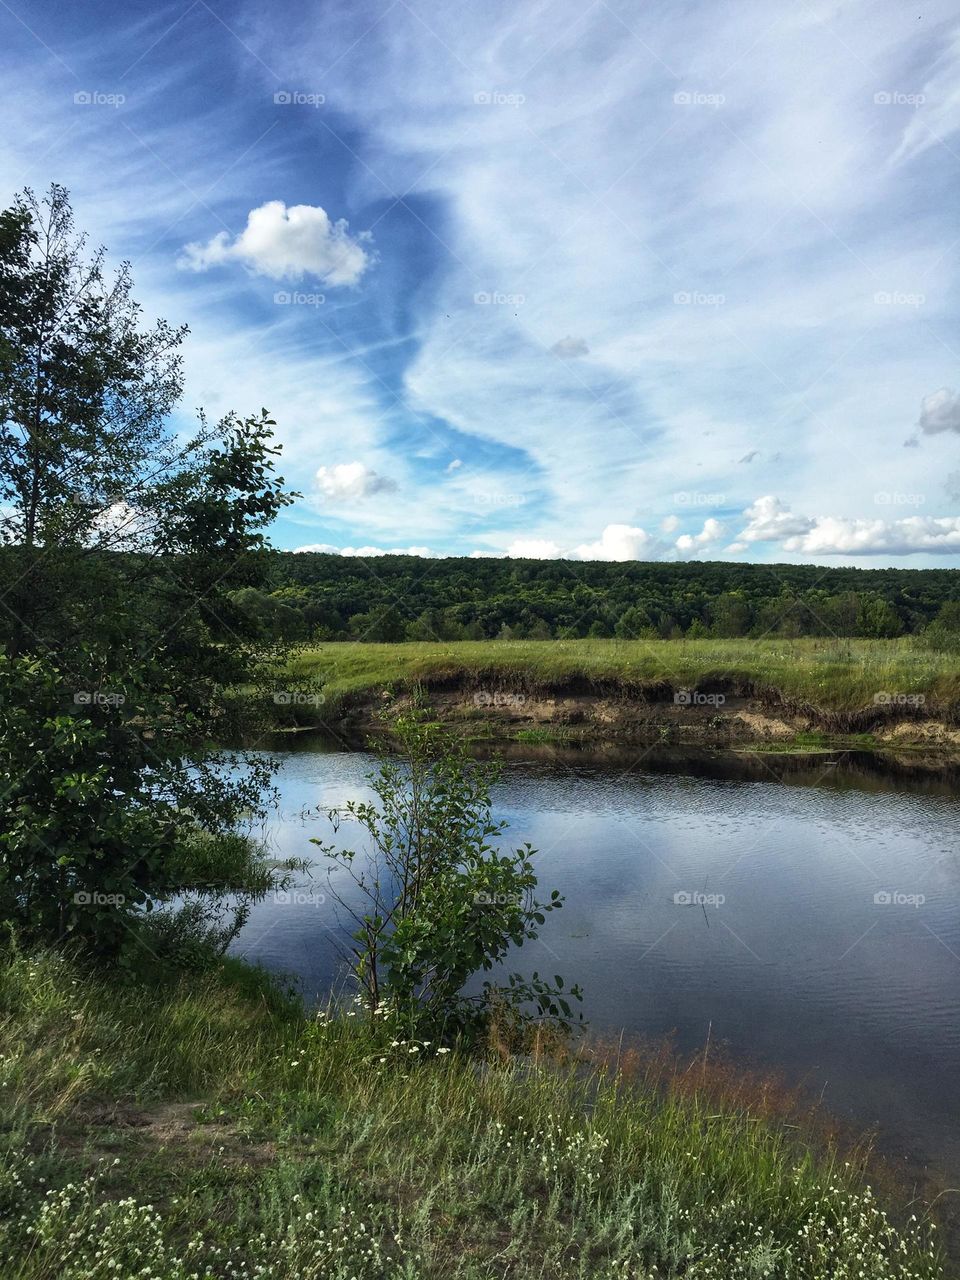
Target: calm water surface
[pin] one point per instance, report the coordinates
(827, 943)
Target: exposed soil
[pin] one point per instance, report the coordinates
(710, 716)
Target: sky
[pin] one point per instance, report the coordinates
(604, 280)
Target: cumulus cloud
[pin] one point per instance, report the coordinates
(769, 521)
(287, 244)
(534, 549)
(570, 348)
(940, 411)
(832, 536)
(711, 532)
(328, 549)
(351, 480)
(621, 542)
(669, 524)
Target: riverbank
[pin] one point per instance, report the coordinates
(785, 695)
(205, 1127)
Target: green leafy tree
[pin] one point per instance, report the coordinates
(123, 545)
(433, 900)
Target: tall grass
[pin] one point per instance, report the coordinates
(829, 674)
(212, 1130)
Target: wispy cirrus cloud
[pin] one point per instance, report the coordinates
(632, 268)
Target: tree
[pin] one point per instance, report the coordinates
(433, 899)
(943, 633)
(124, 546)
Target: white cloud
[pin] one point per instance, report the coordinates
(832, 536)
(712, 531)
(669, 524)
(769, 521)
(534, 549)
(621, 542)
(287, 244)
(350, 481)
(455, 465)
(940, 411)
(364, 551)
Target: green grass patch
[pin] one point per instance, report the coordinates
(843, 675)
(210, 1129)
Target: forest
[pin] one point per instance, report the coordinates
(315, 596)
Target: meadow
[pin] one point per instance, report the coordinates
(833, 675)
(207, 1127)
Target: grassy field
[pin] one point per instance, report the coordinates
(833, 675)
(208, 1128)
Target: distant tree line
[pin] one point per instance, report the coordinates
(313, 596)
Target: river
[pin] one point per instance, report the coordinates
(803, 913)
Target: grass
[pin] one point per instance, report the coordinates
(209, 1129)
(834, 675)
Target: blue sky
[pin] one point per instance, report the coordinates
(597, 280)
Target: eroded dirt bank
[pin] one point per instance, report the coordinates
(717, 715)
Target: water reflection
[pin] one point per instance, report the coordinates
(807, 911)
